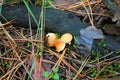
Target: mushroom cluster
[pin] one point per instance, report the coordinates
(58, 43)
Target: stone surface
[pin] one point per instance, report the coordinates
(58, 21)
(55, 20)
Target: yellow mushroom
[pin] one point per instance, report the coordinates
(60, 43)
(51, 39)
(66, 38)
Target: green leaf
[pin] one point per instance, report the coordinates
(56, 77)
(7, 64)
(39, 53)
(102, 43)
(45, 74)
(118, 51)
(55, 70)
(47, 2)
(94, 73)
(51, 75)
(105, 26)
(106, 71)
(28, 44)
(57, 35)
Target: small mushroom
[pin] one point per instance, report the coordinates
(66, 38)
(51, 37)
(58, 43)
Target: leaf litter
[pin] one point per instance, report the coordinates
(16, 59)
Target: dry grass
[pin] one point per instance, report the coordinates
(16, 58)
(19, 46)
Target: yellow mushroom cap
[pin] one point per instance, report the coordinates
(66, 38)
(51, 37)
(59, 45)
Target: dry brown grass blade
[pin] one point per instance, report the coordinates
(19, 58)
(57, 63)
(18, 65)
(9, 36)
(9, 22)
(8, 58)
(80, 4)
(14, 46)
(65, 62)
(105, 64)
(79, 13)
(81, 68)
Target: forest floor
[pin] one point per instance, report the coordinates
(26, 56)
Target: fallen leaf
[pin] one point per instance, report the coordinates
(38, 70)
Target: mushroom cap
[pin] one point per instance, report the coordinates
(51, 37)
(66, 38)
(59, 45)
